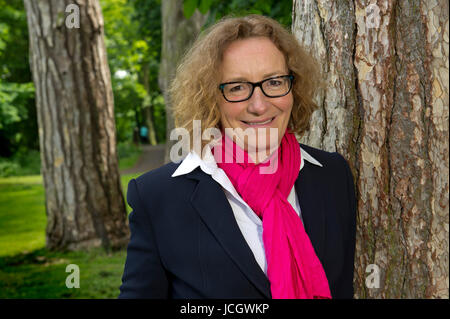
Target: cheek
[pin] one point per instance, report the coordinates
(285, 105)
(288, 102)
(230, 111)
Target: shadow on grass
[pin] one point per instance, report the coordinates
(42, 274)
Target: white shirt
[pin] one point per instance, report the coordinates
(249, 223)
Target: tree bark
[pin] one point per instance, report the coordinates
(386, 109)
(84, 201)
(178, 33)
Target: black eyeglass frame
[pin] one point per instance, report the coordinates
(258, 84)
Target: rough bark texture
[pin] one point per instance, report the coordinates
(178, 33)
(84, 201)
(386, 109)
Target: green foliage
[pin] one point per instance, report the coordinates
(133, 40)
(280, 10)
(13, 102)
(159, 112)
(128, 154)
(147, 13)
(18, 121)
(128, 98)
(8, 168)
(189, 7)
(23, 163)
(205, 5)
(123, 55)
(13, 42)
(123, 46)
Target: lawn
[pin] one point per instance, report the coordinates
(27, 269)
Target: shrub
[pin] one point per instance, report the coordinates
(8, 168)
(26, 162)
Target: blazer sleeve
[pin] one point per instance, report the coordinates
(144, 275)
(344, 287)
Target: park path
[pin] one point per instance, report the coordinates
(152, 157)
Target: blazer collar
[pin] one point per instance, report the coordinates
(223, 225)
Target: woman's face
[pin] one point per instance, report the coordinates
(255, 59)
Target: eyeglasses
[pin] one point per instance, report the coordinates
(272, 87)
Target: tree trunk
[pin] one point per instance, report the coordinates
(386, 109)
(147, 107)
(84, 201)
(178, 34)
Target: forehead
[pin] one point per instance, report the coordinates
(252, 59)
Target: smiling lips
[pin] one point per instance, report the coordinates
(260, 122)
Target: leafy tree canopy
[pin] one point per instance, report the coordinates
(18, 123)
(280, 10)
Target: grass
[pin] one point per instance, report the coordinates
(28, 269)
(42, 274)
(128, 155)
(128, 162)
(22, 214)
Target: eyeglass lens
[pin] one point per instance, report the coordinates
(273, 87)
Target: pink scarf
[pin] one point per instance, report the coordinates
(293, 269)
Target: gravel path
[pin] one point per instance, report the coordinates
(152, 157)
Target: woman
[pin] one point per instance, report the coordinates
(278, 222)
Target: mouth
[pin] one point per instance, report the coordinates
(259, 123)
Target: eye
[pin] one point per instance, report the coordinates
(236, 88)
(274, 83)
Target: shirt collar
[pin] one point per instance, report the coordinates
(208, 163)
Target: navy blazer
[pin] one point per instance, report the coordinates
(185, 241)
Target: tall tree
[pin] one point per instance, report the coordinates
(386, 109)
(84, 201)
(178, 33)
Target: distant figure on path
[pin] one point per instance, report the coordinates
(144, 134)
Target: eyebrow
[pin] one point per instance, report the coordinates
(266, 76)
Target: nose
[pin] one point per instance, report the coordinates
(258, 102)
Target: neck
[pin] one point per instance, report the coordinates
(260, 156)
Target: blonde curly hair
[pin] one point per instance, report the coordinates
(194, 91)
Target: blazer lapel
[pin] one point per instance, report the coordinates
(311, 200)
(213, 207)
